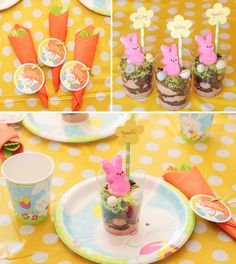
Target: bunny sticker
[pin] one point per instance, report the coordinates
(132, 50)
(206, 49)
(171, 60)
(118, 183)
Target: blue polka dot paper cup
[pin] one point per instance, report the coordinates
(28, 177)
(196, 127)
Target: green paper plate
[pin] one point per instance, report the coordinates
(166, 223)
(51, 126)
(102, 7)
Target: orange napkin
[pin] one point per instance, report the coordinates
(58, 30)
(24, 49)
(192, 183)
(9, 142)
(84, 51)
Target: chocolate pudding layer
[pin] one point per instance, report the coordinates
(209, 82)
(173, 92)
(137, 80)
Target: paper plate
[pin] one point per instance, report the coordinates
(102, 7)
(11, 118)
(166, 223)
(52, 126)
(4, 4)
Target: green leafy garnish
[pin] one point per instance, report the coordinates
(18, 33)
(58, 10)
(86, 34)
(11, 146)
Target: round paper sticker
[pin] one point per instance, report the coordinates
(29, 78)
(207, 208)
(74, 75)
(52, 52)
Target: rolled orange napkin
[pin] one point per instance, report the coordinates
(24, 49)
(85, 48)
(192, 183)
(58, 30)
(9, 142)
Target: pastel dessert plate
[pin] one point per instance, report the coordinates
(166, 222)
(102, 7)
(6, 4)
(51, 126)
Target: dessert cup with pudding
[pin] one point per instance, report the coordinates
(136, 69)
(196, 127)
(121, 198)
(173, 81)
(74, 117)
(208, 68)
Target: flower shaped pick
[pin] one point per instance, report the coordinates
(142, 19)
(217, 14)
(129, 133)
(179, 27)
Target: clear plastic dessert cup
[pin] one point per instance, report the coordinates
(121, 214)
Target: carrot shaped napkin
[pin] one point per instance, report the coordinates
(22, 43)
(192, 183)
(9, 142)
(58, 18)
(86, 42)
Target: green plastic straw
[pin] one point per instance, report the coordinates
(142, 37)
(128, 160)
(180, 51)
(217, 36)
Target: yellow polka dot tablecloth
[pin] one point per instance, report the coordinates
(161, 146)
(34, 15)
(157, 34)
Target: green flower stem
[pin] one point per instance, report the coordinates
(142, 37)
(217, 36)
(180, 51)
(128, 160)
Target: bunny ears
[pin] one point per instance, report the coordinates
(108, 167)
(202, 40)
(169, 52)
(127, 42)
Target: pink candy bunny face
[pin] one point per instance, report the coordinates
(206, 49)
(118, 184)
(113, 170)
(171, 60)
(205, 44)
(132, 50)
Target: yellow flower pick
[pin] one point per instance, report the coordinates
(217, 16)
(218, 13)
(141, 19)
(179, 27)
(129, 133)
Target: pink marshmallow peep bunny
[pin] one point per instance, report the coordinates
(133, 50)
(206, 49)
(171, 60)
(118, 184)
